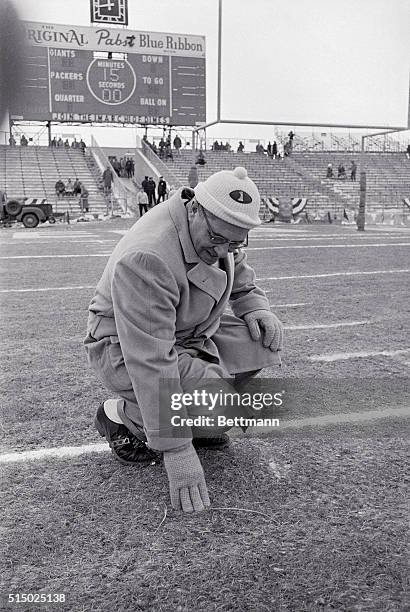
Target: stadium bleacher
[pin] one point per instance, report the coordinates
(33, 172)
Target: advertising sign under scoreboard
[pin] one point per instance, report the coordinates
(97, 74)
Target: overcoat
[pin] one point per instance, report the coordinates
(158, 301)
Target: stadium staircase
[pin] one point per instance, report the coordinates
(33, 171)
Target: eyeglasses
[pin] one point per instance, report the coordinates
(218, 239)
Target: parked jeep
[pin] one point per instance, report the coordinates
(30, 211)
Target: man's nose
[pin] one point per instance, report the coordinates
(221, 250)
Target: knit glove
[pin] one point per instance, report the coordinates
(269, 324)
(187, 486)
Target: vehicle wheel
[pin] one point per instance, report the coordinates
(13, 207)
(51, 220)
(30, 220)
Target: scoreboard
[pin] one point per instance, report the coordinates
(79, 74)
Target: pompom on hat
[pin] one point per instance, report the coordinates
(231, 196)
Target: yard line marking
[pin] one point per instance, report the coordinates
(330, 274)
(337, 236)
(329, 246)
(68, 452)
(37, 235)
(47, 289)
(332, 419)
(328, 325)
(330, 357)
(55, 256)
(290, 305)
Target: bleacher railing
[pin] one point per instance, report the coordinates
(168, 175)
(121, 196)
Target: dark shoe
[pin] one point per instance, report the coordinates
(126, 447)
(214, 443)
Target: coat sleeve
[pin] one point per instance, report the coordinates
(145, 297)
(246, 296)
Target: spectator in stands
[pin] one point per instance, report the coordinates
(286, 149)
(144, 184)
(69, 188)
(53, 143)
(157, 315)
(200, 159)
(84, 199)
(12, 141)
(142, 200)
(177, 144)
(329, 170)
(83, 146)
(353, 170)
(281, 151)
(150, 191)
(74, 144)
(341, 172)
(107, 180)
(162, 190)
(128, 168)
(168, 151)
(260, 148)
(193, 179)
(66, 143)
(408, 152)
(227, 146)
(240, 147)
(161, 147)
(274, 149)
(291, 135)
(60, 142)
(215, 146)
(269, 149)
(23, 141)
(77, 187)
(60, 188)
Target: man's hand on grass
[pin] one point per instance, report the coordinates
(269, 324)
(187, 486)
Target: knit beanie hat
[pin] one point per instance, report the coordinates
(231, 196)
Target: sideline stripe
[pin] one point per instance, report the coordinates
(330, 357)
(328, 325)
(68, 452)
(334, 419)
(46, 289)
(290, 305)
(336, 236)
(329, 274)
(55, 256)
(330, 246)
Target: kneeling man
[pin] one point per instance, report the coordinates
(158, 315)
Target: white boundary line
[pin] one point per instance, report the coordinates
(295, 305)
(329, 246)
(47, 289)
(56, 256)
(328, 325)
(330, 274)
(70, 452)
(330, 357)
(335, 236)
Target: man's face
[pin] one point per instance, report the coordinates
(201, 235)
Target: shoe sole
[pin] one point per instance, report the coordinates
(99, 427)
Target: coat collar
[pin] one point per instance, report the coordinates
(210, 279)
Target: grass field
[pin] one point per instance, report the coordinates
(310, 516)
